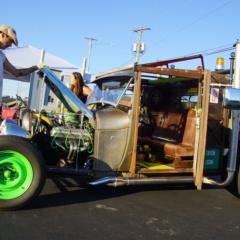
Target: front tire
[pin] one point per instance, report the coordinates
(22, 172)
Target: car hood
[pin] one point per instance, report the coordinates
(66, 96)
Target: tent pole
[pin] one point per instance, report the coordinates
(42, 56)
(42, 85)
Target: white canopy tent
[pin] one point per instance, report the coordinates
(24, 57)
(39, 94)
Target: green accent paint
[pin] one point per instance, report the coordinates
(16, 174)
(71, 117)
(212, 158)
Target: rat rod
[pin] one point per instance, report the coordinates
(144, 124)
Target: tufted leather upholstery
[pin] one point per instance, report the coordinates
(185, 148)
(173, 133)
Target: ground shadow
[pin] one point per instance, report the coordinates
(71, 191)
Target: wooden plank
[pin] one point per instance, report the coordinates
(197, 128)
(203, 130)
(137, 93)
(219, 78)
(183, 164)
(172, 72)
(173, 170)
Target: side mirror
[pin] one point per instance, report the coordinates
(231, 98)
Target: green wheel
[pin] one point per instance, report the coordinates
(22, 172)
(16, 174)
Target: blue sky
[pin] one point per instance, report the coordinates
(178, 27)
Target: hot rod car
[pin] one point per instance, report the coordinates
(144, 124)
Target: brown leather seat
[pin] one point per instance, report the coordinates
(174, 134)
(186, 147)
(169, 126)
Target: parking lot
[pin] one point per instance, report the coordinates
(64, 211)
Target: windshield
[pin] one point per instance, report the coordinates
(110, 92)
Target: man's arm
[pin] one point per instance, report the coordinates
(18, 72)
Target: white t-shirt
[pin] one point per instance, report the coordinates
(2, 60)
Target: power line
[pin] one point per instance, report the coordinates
(211, 51)
(181, 29)
(219, 51)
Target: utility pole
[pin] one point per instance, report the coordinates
(90, 43)
(139, 44)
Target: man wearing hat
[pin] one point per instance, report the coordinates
(8, 37)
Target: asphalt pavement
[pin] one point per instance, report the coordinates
(66, 211)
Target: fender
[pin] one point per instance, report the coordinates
(10, 127)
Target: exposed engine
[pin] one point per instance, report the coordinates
(68, 142)
(72, 141)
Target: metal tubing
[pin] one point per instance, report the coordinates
(232, 66)
(70, 151)
(75, 148)
(220, 184)
(236, 80)
(60, 145)
(116, 181)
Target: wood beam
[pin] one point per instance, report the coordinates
(203, 130)
(219, 78)
(137, 93)
(172, 72)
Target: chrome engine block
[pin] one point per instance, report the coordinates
(72, 140)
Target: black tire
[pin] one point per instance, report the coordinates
(33, 157)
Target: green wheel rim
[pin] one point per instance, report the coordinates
(16, 174)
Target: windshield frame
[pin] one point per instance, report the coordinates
(103, 101)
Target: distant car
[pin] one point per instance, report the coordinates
(141, 125)
(8, 112)
(12, 109)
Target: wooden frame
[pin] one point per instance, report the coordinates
(200, 158)
(172, 72)
(137, 94)
(204, 79)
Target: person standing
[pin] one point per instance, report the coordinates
(79, 87)
(8, 36)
